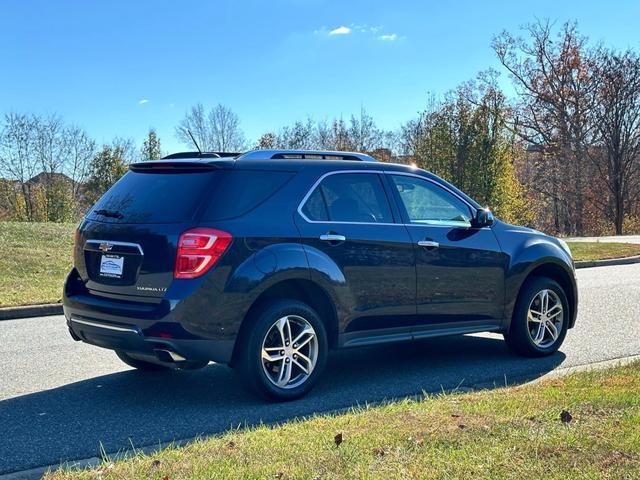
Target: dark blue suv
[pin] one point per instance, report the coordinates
(266, 261)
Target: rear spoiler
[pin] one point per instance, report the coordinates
(193, 155)
(176, 165)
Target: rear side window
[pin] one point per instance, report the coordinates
(141, 197)
(240, 191)
(349, 197)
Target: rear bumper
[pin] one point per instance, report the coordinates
(150, 330)
(130, 338)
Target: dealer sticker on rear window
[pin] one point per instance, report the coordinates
(111, 266)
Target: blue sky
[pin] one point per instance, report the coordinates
(117, 68)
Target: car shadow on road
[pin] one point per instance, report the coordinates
(132, 408)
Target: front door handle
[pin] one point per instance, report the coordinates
(332, 237)
(428, 244)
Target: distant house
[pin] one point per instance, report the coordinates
(47, 178)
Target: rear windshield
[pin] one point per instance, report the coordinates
(141, 197)
(153, 197)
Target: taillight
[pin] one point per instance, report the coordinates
(198, 250)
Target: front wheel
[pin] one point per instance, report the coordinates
(284, 352)
(540, 318)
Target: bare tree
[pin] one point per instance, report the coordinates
(553, 75)
(617, 154)
(363, 133)
(80, 150)
(18, 159)
(216, 130)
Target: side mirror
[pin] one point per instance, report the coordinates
(483, 218)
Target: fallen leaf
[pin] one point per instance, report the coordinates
(565, 416)
(166, 477)
(338, 439)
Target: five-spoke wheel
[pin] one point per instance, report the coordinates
(545, 318)
(289, 351)
(282, 351)
(540, 318)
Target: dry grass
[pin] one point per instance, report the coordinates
(508, 433)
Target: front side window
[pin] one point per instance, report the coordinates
(349, 197)
(428, 204)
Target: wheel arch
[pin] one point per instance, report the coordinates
(301, 289)
(555, 271)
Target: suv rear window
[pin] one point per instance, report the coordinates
(141, 197)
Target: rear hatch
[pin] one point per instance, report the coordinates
(127, 243)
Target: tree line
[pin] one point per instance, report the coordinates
(559, 152)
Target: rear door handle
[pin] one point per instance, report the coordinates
(428, 244)
(331, 237)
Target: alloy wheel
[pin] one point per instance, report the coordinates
(289, 351)
(545, 318)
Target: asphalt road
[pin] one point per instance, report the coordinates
(60, 400)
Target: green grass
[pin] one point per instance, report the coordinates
(602, 250)
(513, 433)
(34, 261)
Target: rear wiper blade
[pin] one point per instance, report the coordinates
(109, 213)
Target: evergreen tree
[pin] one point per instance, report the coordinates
(151, 146)
(106, 169)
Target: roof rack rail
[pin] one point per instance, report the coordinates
(179, 155)
(305, 154)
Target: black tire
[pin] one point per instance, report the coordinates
(249, 356)
(519, 338)
(141, 364)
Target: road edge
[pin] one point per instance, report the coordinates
(608, 262)
(92, 462)
(26, 311)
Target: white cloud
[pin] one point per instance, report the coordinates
(143, 101)
(389, 37)
(342, 30)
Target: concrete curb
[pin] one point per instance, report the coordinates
(609, 262)
(93, 462)
(12, 313)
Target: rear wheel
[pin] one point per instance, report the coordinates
(540, 318)
(284, 352)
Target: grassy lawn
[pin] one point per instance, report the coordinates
(602, 250)
(34, 260)
(511, 433)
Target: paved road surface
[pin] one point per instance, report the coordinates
(60, 399)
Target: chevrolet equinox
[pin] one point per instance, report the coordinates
(268, 260)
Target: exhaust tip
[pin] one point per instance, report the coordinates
(168, 356)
